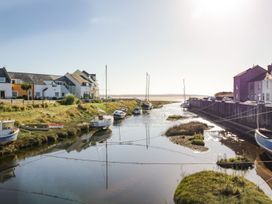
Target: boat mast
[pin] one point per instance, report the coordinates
(184, 94)
(106, 81)
(257, 116)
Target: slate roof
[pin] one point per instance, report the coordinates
(3, 73)
(33, 78)
(244, 72)
(66, 80)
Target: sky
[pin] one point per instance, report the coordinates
(205, 42)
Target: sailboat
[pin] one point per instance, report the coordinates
(146, 105)
(263, 136)
(185, 103)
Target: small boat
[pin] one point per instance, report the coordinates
(119, 114)
(35, 127)
(147, 105)
(137, 111)
(55, 126)
(8, 132)
(263, 138)
(101, 122)
(185, 104)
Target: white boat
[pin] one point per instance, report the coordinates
(264, 139)
(8, 132)
(102, 122)
(147, 105)
(119, 114)
(137, 111)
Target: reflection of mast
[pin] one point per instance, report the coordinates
(119, 135)
(147, 134)
(107, 163)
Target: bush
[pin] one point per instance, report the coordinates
(198, 142)
(69, 99)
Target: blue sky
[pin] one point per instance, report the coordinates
(204, 41)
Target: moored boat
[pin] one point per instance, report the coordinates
(137, 111)
(147, 105)
(263, 138)
(119, 114)
(101, 122)
(55, 126)
(8, 132)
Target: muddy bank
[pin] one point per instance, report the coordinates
(74, 117)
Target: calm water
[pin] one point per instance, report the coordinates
(136, 165)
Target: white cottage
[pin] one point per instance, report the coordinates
(85, 84)
(5, 84)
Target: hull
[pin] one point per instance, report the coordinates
(101, 124)
(9, 138)
(118, 117)
(263, 141)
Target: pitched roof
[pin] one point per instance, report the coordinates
(66, 80)
(33, 78)
(3, 73)
(79, 77)
(250, 69)
(259, 77)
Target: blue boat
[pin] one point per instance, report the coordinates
(8, 132)
(264, 139)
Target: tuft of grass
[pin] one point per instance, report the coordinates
(190, 128)
(214, 187)
(174, 117)
(238, 163)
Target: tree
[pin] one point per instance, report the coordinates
(26, 87)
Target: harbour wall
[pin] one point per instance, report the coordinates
(239, 117)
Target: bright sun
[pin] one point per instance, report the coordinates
(216, 7)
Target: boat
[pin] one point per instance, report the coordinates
(185, 104)
(55, 126)
(263, 138)
(8, 132)
(146, 104)
(35, 127)
(137, 111)
(119, 114)
(101, 122)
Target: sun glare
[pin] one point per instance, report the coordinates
(216, 7)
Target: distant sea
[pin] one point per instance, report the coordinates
(163, 97)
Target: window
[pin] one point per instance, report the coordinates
(14, 94)
(56, 94)
(13, 81)
(267, 96)
(38, 94)
(2, 79)
(63, 94)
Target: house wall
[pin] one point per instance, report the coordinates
(6, 87)
(267, 90)
(241, 83)
(20, 92)
(52, 91)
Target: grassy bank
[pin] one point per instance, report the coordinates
(215, 187)
(188, 135)
(175, 117)
(72, 116)
(238, 163)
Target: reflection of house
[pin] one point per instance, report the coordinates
(5, 86)
(241, 81)
(85, 84)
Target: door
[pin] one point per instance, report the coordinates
(2, 94)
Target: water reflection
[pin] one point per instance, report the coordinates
(7, 168)
(133, 163)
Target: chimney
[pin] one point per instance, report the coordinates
(269, 68)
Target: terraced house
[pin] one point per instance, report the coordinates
(5, 85)
(44, 86)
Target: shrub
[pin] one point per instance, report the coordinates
(69, 99)
(198, 142)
